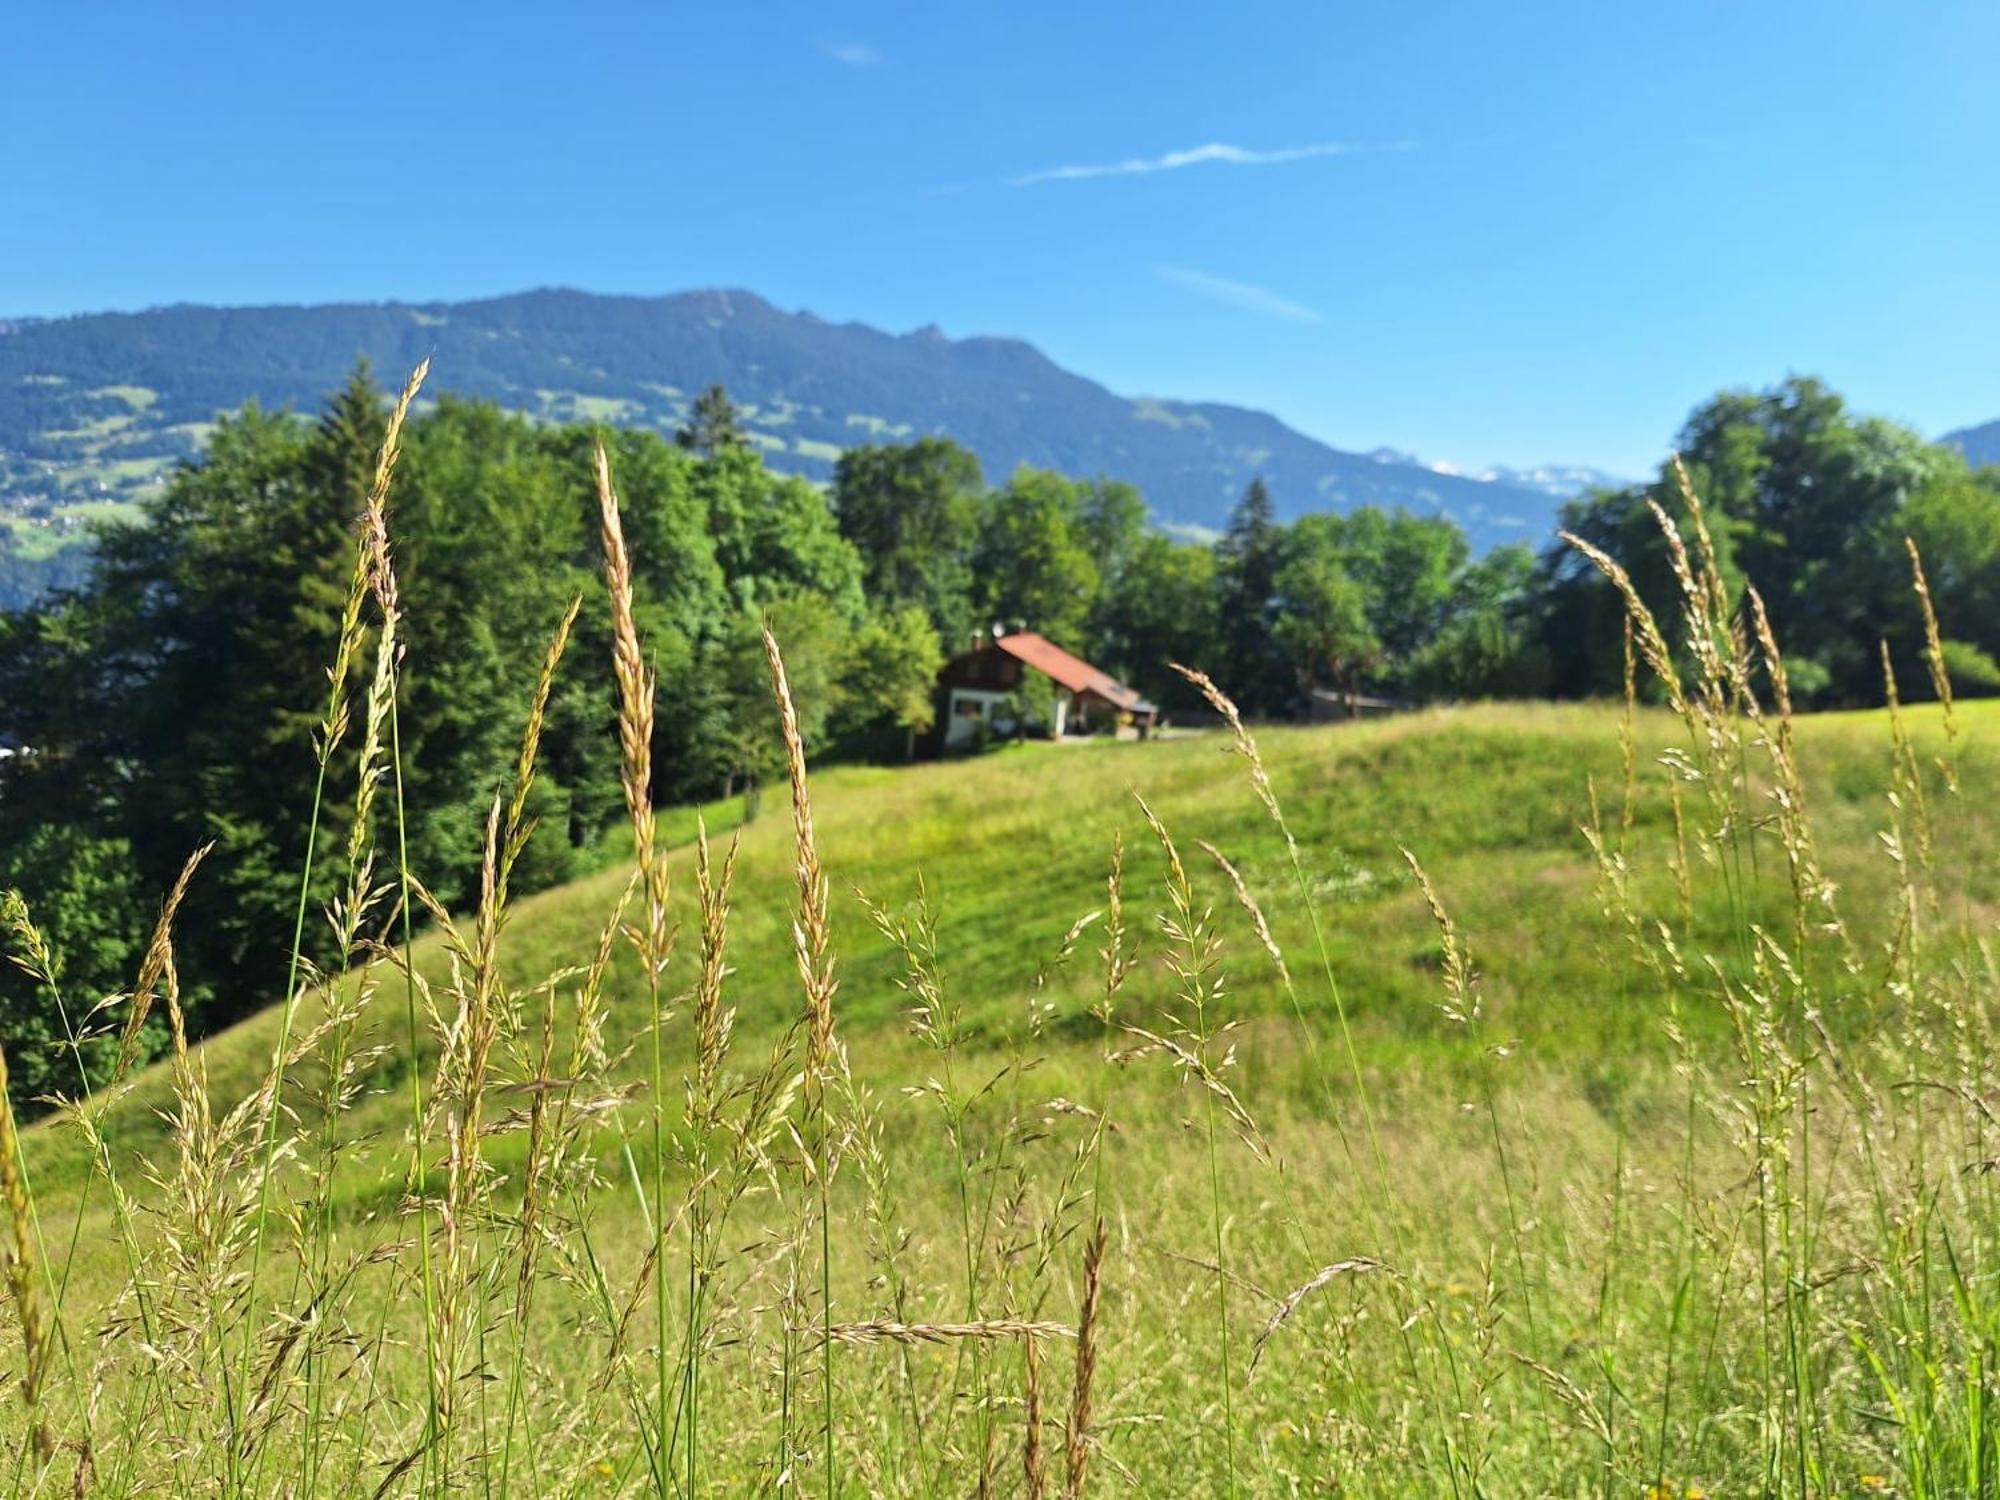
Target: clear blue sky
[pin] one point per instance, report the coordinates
(1546, 231)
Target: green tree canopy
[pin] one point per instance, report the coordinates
(1034, 562)
(1250, 665)
(1808, 502)
(912, 513)
(1324, 626)
(171, 701)
(1163, 610)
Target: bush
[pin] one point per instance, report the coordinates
(1973, 672)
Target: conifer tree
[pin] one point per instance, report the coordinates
(713, 425)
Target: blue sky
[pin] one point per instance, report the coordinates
(1483, 233)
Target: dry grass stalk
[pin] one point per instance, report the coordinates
(371, 574)
(1614, 881)
(375, 513)
(1245, 746)
(23, 1275)
(1249, 904)
(372, 766)
(1077, 1432)
(1908, 786)
(519, 829)
(712, 1025)
(153, 965)
(1034, 1475)
(32, 954)
(466, 1042)
(1720, 684)
(1735, 661)
(653, 941)
(988, 1330)
(1814, 894)
(1934, 659)
(519, 826)
(1698, 621)
(1628, 740)
(810, 931)
(547, 1090)
(713, 1022)
(1652, 645)
(932, 1018)
(628, 663)
(1461, 994)
(1324, 1277)
(372, 571)
(1241, 742)
(484, 1020)
(1580, 1401)
(1119, 960)
(812, 954)
(1193, 957)
(1683, 874)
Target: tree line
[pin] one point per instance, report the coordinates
(1806, 499)
(166, 700)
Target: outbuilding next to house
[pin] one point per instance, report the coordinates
(979, 693)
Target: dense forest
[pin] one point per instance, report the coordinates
(166, 699)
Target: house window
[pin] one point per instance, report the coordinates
(970, 713)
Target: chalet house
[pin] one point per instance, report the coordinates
(980, 694)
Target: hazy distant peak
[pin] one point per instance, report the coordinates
(104, 404)
(1980, 445)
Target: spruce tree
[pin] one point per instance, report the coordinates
(1252, 669)
(713, 425)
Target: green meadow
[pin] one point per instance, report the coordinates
(1541, 1252)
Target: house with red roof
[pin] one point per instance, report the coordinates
(1015, 682)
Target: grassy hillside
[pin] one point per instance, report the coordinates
(1538, 1240)
(1014, 847)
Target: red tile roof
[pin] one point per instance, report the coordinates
(1046, 657)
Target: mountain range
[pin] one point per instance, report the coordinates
(97, 407)
(1980, 445)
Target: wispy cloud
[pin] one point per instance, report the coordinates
(851, 54)
(1243, 294)
(1215, 154)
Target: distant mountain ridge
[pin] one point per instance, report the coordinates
(100, 405)
(1980, 445)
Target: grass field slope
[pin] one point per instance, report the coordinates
(1586, 1100)
(1010, 849)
